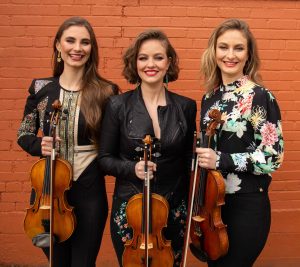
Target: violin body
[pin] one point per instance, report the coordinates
(205, 227)
(208, 233)
(160, 251)
(38, 215)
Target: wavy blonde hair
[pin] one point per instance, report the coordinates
(209, 67)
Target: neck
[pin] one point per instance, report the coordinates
(154, 94)
(71, 79)
(230, 79)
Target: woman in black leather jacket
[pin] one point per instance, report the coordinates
(149, 109)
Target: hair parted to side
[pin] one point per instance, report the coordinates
(95, 89)
(130, 57)
(209, 67)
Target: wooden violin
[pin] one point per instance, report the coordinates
(147, 214)
(50, 218)
(208, 234)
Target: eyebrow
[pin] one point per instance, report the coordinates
(84, 39)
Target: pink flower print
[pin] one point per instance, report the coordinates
(124, 239)
(245, 104)
(269, 135)
(177, 214)
(125, 225)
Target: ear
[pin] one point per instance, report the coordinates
(58, 46)
(169, 61)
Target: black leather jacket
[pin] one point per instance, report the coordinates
(125, 124)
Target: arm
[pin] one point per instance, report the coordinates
(109, 146)
(266, 154)
(27, 133)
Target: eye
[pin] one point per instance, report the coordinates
(240, 48)
(69, 40)
(142, 58)
(222, 47)
(159, 58)
(86, 42)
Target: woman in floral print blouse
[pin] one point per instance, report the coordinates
(248, 146)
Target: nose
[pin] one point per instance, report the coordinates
(77, 46)
(230, 53)
(151, 62)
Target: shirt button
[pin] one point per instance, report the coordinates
(260, 189)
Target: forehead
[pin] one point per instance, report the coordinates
(152, 46)
(77, 32)
(232, 36)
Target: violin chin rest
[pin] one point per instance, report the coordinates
(42, 240)
(198, 253)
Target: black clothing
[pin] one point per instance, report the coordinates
(125, 124)
(249, 146)
(87, 194)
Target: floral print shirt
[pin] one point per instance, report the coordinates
(249, 144)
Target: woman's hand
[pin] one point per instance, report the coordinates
(140, 169)
(206, 158)
(46, 145)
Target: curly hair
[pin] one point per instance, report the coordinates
(130, 57)
(209, 67)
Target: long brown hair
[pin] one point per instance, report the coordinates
(130, 57)
(95, 89)
(209, 67)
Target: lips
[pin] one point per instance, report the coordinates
(230, 64)
(151, 72)
(76, 57)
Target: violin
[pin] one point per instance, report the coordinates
(50, 219)
(147, 214)
(208, 234)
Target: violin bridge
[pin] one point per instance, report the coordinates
(45, 207)
(150, 246)
(198, 218)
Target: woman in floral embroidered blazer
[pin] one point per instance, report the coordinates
(248, 145)
(82, 93)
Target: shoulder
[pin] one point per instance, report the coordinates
(183, 101)
(116, 101)
(40, 84)
(262, 93)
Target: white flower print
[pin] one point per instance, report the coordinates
(232, 183)
(240, 160)
(258, 156)
(229, 96)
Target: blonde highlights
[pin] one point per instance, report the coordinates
(209, 68)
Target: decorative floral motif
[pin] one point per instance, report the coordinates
(42, 109)
(28, 125)
(179, 216)
(240, 160)
(120, 219)
(232, 183)
(251, 135)
(39, 84)
(258, 116)
(269, 134)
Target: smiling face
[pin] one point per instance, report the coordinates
(152, 62)
(231, 55)
(75, 46)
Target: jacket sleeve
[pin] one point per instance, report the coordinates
(27, 134)
(109, 146)
(266, 154)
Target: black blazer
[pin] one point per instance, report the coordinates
(125, 124)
